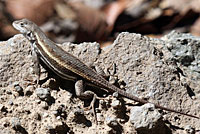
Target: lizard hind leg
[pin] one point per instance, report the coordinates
(79, 90)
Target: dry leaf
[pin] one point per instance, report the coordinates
(92, 22)
(64, 11)
(35, 10)
(114, 9)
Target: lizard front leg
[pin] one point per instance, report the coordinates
(36, 66)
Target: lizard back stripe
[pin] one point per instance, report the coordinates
(53, 56)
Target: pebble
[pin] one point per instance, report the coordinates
(10, 102)
(116, 104)
(29, 91)
(112, 122)
(15, 122)
(99, 117)
(17, 86)
(55, 112)
(146, 118)
(112, 80)
(8, 91)
(78, 111)
(58, 117)
(189, 130)
(115, 94)
(43, 93)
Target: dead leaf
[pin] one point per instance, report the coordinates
(92, 22)
(64, 11)
(35, 10)
(113, 10)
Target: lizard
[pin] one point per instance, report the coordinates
(69, 67)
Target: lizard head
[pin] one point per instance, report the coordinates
(24, 26)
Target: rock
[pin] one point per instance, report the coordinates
(29, 91)
(78, 112)
(43, 93)
(189, 130)
(18, 88)
(147, 119)
(15, 122)
(116, 103)
(112, 122)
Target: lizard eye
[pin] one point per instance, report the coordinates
(22, 24)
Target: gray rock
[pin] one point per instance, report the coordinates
(78, 111)
(15, 122)
(116, 104)
(43, 93)
(146, 119)
(189, 130)
(185, 49)
(18, 88)
(112, 121)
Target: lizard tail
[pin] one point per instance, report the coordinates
(125, 94)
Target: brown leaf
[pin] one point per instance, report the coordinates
(92, 22)
(64, 11)
(35, 10)
(113, 10)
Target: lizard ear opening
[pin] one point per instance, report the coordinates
(29, 36)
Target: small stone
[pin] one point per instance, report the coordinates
(44, 105)
(115, 94)
(55, 112)
(101, 101)
(58, 117)
(18, 88)
(29, 91)
(45, 115)
(97, 110)
(16, 83)
(146, 118)
(116, 104)
(189, 130)
(37, 116)
(15, 122)
(10, 102)
(121, 120)
(78, 111)
(112, 80)
(122, 86)
(8, 91)
(43, 93)
(112, 122)
(99, 117)
(38, 101)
